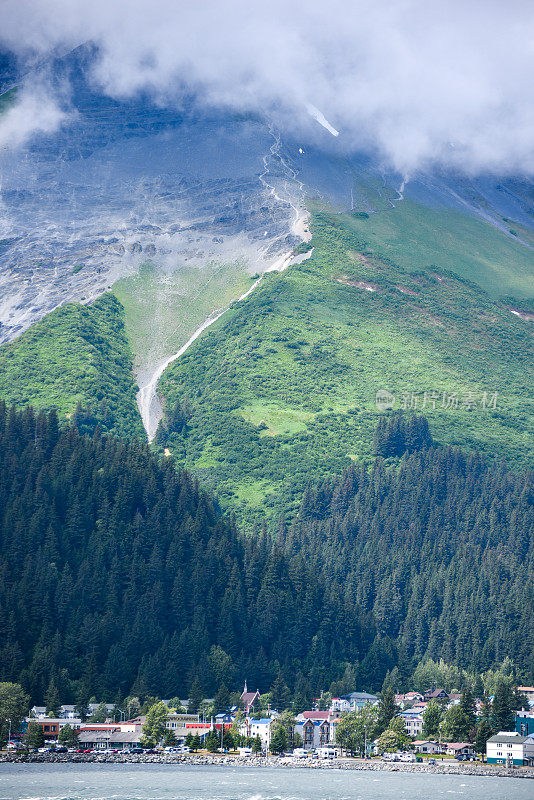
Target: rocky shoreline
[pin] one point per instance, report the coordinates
(442, 767)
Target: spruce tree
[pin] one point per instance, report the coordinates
(502, 718)
(387, 709)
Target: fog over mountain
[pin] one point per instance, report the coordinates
(446, 82)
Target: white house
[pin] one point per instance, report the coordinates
(258, 727)
(413, 721)
(509, 747)
(339, 705)
(427, 746)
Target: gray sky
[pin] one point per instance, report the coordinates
(419, 80)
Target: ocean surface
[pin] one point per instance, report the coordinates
(169, 782)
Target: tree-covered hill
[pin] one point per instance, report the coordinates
(76, 355)
(439, 552)
(118, 574)
(282, 389)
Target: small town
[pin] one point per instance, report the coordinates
(429, 727)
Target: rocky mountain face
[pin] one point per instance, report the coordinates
(123, 183)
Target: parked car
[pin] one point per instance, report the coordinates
(431, 760)
(408, 758)
(419, 759)
(137, 751)
(60, 749)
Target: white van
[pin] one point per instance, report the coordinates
(245, 751)
(300, 752)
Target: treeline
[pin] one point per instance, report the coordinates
(119, 576)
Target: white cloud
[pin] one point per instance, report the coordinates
(34, 111)
(417, 80)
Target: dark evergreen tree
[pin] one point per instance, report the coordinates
(221, 703)
(502, 717)
(387, 709)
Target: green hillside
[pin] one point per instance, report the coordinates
(75, 355)
(416, 236)
(282, 389)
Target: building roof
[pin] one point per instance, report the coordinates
(249, 697)
(359, 696)
(507, 738)
(458, 745)
(526, 688)
(315, 714)
(124, 737)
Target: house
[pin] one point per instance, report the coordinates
(427, 746)
(440, 695)
(68, 712)
(258, 727)
(315, 728)
(249, 699)
(339, 705)
(459, 749)
(358, 700)
(509, 747)
(413, 721)
(38, 712)
(408, 699)
(528, 691)
(524, 723)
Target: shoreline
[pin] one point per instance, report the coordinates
(201, 760)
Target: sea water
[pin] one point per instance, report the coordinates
(179, 782)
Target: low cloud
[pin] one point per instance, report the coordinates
(417, 82)
(34, 111)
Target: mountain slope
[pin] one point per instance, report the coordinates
(118, 575)
(283, 388)
(75, 355)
